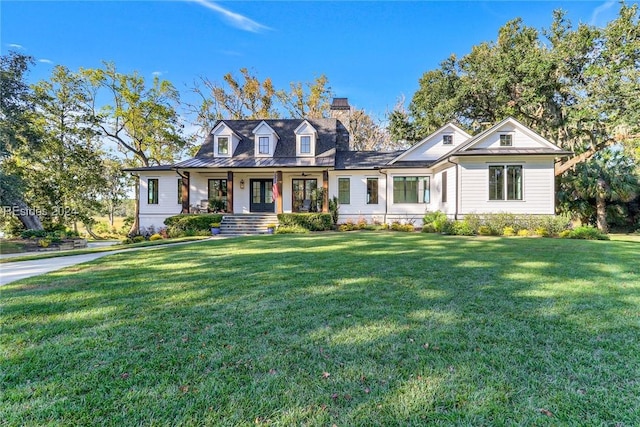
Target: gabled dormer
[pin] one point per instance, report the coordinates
(225, 140)
(265, 140)
(306, 137)
(442, 141)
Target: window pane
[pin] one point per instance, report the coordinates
(305, 144)
(447, 139)
(344, 191)
(427, 189)
(152, 189)
(256, 191)
(223, 145)
(496, 182)
(263, 145)
(514, 182)
(505, 141)
(372, 191)
(445, 186)
(398, 190)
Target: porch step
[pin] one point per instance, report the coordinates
(247, 223)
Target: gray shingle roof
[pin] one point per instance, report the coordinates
(364, 159)
(328, 137)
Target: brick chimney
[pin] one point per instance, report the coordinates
(341, 111)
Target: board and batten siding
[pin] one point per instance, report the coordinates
(153, 215)
(537, 187)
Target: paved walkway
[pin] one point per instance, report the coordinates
(12, 271)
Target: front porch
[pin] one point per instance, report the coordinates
(255, 191)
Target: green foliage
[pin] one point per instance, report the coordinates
(462, 228)
(587, 232)
(190, 224)
(485, 230)
(334, 207)
(542, 232)
(154, 237)
(509, 231)
(309, 221)
(291, 229)
(138, 239)
(217, 204)
(397, 226)
(524, 232)
(438, 220)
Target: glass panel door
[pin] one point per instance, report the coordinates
(261, 195)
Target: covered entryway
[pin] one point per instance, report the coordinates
(261, 195)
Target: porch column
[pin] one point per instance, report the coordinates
(325, 188)
(185, 192)
(279, 199)
(230, 192)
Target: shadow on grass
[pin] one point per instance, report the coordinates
(368, 329)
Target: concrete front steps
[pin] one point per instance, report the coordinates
(255, 223)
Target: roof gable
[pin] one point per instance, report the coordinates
(522, 137)
(434, 146)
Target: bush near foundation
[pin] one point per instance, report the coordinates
(308, 221)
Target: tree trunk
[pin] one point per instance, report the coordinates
(601, 207)
(135, 227)
(26, 215)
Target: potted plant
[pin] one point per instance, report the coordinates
(270, 228)
(216, 204)
(215, 228)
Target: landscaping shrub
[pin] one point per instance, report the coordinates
(587, 232)
(291, 229)
(127, 241)
(428, 228)
(524, 232)
(462, 228)
(190, 224)
(308, 221)
(438, 220)
(508, 231)
(542, 232)
(486, 230)
(138, 239)
(396, 226)
(156, 236)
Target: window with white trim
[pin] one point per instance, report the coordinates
(372, 191)
(263, 145)
(505, 182)
(344, 191)
(411, 189)
(223, 145)
(447, 139)
(506, 140)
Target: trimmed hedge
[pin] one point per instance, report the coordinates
(308, 221)
(192, 222)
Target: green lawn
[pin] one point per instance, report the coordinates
(338, 328)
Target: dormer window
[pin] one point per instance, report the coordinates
(223, 145)
(447, 139)
(305, 144)
(505, 140)
(306, 137)
(263, 145)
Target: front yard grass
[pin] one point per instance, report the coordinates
(342, 328)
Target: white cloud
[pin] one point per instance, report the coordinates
(45, 61)
(599, 10)
(235, 19)
(16, 46)
(157, 73)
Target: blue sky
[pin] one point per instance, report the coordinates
(372, 52)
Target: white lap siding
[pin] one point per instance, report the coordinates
(538, 186)
(358, 208)
(153, 215)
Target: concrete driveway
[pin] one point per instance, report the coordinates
(12, 271)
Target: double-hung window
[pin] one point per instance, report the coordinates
(411, 189)
(372, 191)
(344, 191)
(305, 145)
(263, 145)
(505, 182)
(223, 145)
(152, 191)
